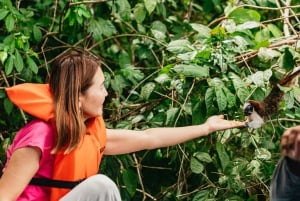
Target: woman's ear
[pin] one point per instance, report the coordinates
(80, 101)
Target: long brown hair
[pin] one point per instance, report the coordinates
(71, 75)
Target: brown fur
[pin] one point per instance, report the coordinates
(271, 103)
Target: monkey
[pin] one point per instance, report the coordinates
(256, 112)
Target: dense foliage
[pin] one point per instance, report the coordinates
(167, 63)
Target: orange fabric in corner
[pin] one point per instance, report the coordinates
(82, 162)
(35, 99)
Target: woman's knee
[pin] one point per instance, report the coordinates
(102, 181)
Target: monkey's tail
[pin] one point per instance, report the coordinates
(291, 78)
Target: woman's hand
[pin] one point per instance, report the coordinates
(217, 122)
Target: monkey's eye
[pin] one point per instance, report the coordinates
(248, 110)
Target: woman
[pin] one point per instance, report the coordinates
(65, 144)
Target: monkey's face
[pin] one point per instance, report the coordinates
(248, 109)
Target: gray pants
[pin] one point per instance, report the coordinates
(95, 188)
(285, 186)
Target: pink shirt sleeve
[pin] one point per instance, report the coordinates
(38, 134)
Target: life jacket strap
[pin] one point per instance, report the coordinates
(54, 183)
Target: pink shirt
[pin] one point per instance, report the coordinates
(38, 134)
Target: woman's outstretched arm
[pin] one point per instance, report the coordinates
(126, 141)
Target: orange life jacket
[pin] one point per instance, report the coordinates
(80, 163)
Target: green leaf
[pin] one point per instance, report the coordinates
(146, 90)
(171, 116)
(223, 156)
(203, 156)
(3, 13)
(296, 91)
(241, 15)
(263, 154)
(132, 74)
(276, 32)
(32, 65)
(287, 61)
(202, 195)
(37, 34)
(3, 56)
(260, 77)
(230, 97)
(289, 99)
(118, 84)
(2, 93)
(192, 70)
(215, 82)
(262, 35)
(159, 29)
(248, 25)
(266, 54)
(221, 98)
(150, 5)
(19, 64)
(239, 86)
(8, 106)
(209, 97)
(124, 59)
(95, 28)
(124, 9)
(242, 93)
(203, 31)
(130, 180)
(139, 13)
(10, 22)
(137, 119)
(180, 46)
(9, 64)
(196, 166)
(83, 11)
(106, 26)
(163, 78)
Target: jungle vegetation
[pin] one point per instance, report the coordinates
(167, 63)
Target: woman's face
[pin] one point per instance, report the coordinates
(91, 102)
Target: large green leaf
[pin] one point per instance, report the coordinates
(8, 106)
(130, 180)
(276, 32)
(9, 65)
(203, 156)
(203, 31)
(139, 12)
(222, 154)
(209, 97)
(9, 22)
(180, 46)
(221, 98)
(287, 61)
(192, 70)
(202, 195)
(150, 5)
(19, 63)
(32, 65)
(196, 166)
(159, 30)
(172, 114)
(3, 13)
(146, 90)
(241, 15)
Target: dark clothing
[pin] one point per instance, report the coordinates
(285, 185)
